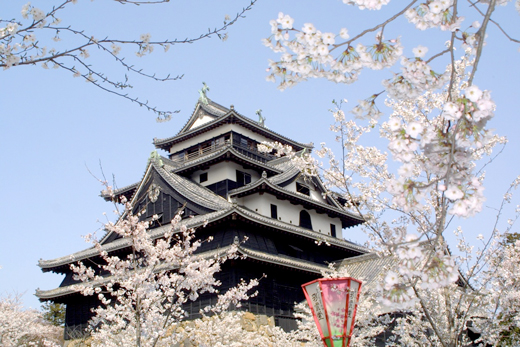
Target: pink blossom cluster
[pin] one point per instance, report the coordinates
(367, 4)
(434, 14)
(20, 327)
(312, 53)
(143, 294)
(415, 78)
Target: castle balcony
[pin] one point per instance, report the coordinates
(240, 143)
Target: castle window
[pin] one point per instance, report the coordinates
(243, 178)
(333, 230)
(305, 220)
(203, 177)
(301, 188)
(274, 211)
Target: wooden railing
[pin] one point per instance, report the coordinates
(200, 152)
(246, 150)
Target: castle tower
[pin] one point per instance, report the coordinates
(213, 168)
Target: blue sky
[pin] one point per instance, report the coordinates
(55, 128)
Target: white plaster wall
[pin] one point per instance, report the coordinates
(216, 132)
(222, 171)
(202, 120)
(314, 193)
(289, 213)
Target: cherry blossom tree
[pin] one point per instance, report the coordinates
(447, 289)
(38, 37)
(25, 327)
(142, 295)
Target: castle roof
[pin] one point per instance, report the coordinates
(369, 267)
(233, 211)
(226, 152)
(265, 185)
(242, 250)
(219, 116)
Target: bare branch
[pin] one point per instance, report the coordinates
(25, 43)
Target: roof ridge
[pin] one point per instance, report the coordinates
(310, 233)
(186, 191)
(295, 194)
(158, 142)
(190, 222)
(280, 258)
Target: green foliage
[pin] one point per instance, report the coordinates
(510, 337)
(512, 238)
(54, 313)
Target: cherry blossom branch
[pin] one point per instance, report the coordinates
(481, 34)
(161, 115)
(474, 5)
(381, 25)
(438, 55)
(428, 317)
(18, 41)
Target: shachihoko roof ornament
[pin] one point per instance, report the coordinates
(202, 92)
(261, 119)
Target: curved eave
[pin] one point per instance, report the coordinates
(264, 185)
(285, 177)
(282, 260)
(291, 172)
(297, 230)
(127, 191)
(228, 153)
(230, 118)
(73, 288)
(61, 265)
(279, 260)
(192, 191)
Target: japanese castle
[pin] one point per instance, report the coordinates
(213, 168)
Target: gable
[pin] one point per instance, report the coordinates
(200, 118)
(157, 197)
(203, 114)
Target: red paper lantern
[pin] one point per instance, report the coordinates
(333, 302)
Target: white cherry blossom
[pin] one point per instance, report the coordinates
(420, 51)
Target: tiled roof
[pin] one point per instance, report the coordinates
(219, 152)
(319, 237)
(196, 221)
(289, 171)
(369, 268)
(212, 108)
(280, 259)
(296, 195)
(248, 253)
(191, 190)
(247, 121)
